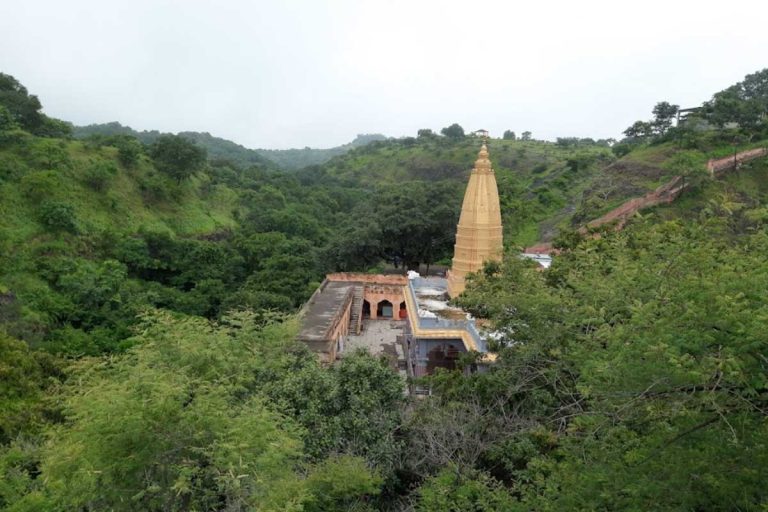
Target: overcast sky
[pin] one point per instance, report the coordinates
(278, 74)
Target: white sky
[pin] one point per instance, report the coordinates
(280, 74)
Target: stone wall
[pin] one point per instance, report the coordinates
(368, 278)
(664, 194)
(376, 292)
(719, 165)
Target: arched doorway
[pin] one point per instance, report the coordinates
(384, 309)
(366, 309)
(403, 311)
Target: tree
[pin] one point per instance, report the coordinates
(21, 389)
(181, 422)
(509, 135)
(129, 149)
(663, 114)
(745, 103)
(639, 130)
(24, 107)
(414, 227)
(472, 492)
(177, 157)
(7, 121)
(425, 133)
(526, 136)
(455, 131)
(661, 381)
(58, 216)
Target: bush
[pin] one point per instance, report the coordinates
(177, 157)
(99, 174)
(58, 216)
(41, 185)
(129, 150)
(49, 154)
(155, 188)
(622, 148)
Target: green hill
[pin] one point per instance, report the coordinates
(540, 183)
(218, 148)
(222, 149)
(293, 159)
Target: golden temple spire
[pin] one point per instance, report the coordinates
(479, 232)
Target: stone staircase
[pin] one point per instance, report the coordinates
(355, 317)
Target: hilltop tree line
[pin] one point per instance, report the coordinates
(738, 111)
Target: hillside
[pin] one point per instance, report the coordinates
(545, 188)
(293, 159)
(148, 352)
(222, 149)
(540, 183)
(218, 148)
(90, 237)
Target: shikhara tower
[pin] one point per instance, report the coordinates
(478, 235)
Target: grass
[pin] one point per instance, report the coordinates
(120, 206)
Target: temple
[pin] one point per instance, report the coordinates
(409, 319)
(479, 233)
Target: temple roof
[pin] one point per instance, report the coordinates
(479, 232)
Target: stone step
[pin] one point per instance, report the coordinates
(357, 309)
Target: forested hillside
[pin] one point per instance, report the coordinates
(148, 359)
(217, 148)
(222, 149)
(292, 159)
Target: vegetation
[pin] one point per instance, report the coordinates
(225, 150)
(294, 159)
(639, 355)
(147, 340)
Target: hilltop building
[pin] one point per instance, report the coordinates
(479, 232)
(408, 319)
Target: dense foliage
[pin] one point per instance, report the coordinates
(147, 353)
(641, 356)
(222, 149)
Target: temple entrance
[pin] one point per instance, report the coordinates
(366, 309)
(384, 309)
(443, 356)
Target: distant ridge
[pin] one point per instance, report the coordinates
(299, 158)
(223, 149)
(218, 148)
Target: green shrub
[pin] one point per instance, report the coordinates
(49, 154)
(129, 150)
(58, 216)
(11, 167)
(155, 189)
(99, 174)
(41, 185)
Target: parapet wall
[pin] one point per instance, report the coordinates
(717, 166)
(368, 278)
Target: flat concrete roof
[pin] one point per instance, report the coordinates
(323, 308)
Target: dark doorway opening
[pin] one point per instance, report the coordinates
(443, 356)
(366, 309)
(384, 309)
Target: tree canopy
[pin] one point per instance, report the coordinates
(177, 156)
(454, 131)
